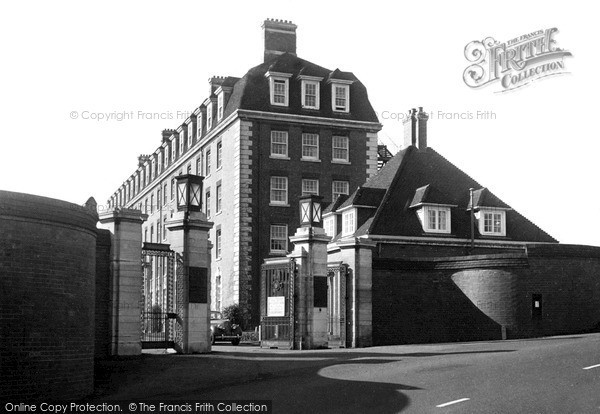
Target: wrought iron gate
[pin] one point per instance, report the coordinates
(158, 311)
(277, 303)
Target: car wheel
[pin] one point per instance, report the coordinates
(235, 341)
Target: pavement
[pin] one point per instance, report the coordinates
(545, 375)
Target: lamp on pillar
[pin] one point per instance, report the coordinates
(310, 211)
(189, 192)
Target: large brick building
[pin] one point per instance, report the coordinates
(287, 128)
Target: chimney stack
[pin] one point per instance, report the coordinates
(214, 82)
(280, 38)
(410, 128)
(142, 159)
(422, 118)
(415, 128)
(166, 134)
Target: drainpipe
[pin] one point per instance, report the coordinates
(472, 220)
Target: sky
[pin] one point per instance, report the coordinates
(65, 64)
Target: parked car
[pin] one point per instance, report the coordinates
(222, 329)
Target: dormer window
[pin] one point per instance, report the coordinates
(349, 222)
(329, 225)
(310, 92)
(190, 134)
(209, 111)
(279, 85)
(153, 169)
(436, 219)
(340, 97)
(181, 141)
(174, 148)
(220, 99)
(492, 222)
(199, 125)
(159, 164)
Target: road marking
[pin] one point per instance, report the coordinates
(593, 366)
(452, 402)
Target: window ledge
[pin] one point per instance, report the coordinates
(278, 157)
(218, 213)
(278, 205)
(310, 159)
(278, 253)
(341, 162)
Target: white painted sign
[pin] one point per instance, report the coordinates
(276, 306)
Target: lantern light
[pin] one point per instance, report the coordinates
(310, 211)
(189, 192)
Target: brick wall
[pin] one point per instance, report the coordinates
(47, 267)
(102, 309)
(443, 299)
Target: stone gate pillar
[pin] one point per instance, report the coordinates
(310, 253)
(188, 236)
(125, 226)
(358, 255)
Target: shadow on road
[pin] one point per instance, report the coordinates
(293, 380)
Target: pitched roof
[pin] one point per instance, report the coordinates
(415, 175)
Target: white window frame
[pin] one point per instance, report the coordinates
(207, 162)
(209, 114)
(220, 109)
(305, 137)
(349, 222)
(181, 142)
(481, 216)
(279, 183)
(280, 78)
(278, 232)
(345, 148)
(443, 226)
(218, 242)
(219, 155)
(207, 201)
(333, 189)
(334, 106)
(174, 148)
(316, 84)
(199, 126)
(329, 225)
(159, 163)
(219, 205)
(190, 132)
(309, 182)
(277, 134)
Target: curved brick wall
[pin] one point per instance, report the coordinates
(47, 270)
(494, 291)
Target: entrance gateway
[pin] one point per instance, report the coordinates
(303, 299)
(159, 310)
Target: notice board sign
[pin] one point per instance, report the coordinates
(198, 287)
(276, 306)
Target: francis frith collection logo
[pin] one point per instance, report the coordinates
(514, 63)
